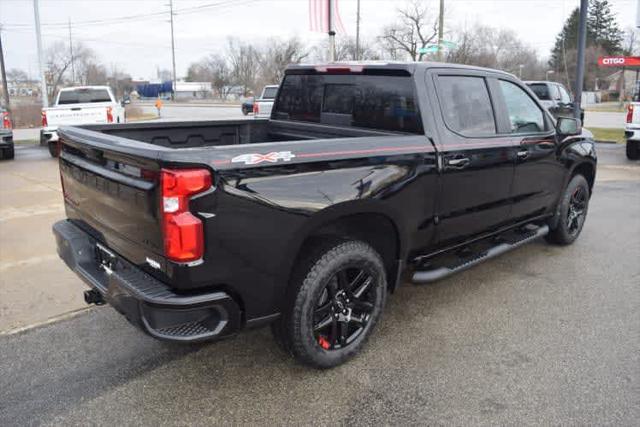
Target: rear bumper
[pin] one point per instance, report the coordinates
(6, 139)
(143, 300)
(50, 134)
(632, 134)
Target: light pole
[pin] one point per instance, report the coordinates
(546, 75)
(582, 41)
(43, 82)
(173, 55)
(520, 67)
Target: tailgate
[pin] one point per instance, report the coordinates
(113, 194)
(635, 119)
(77, 115)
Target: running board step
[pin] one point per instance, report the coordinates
(426, 276)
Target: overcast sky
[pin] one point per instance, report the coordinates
(134, 34)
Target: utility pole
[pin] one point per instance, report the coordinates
(582, 41)
(73, 67)
(5, 86)
(332, 34)
(173, 55)
(440, 30)
(43, 82)
(357, 58)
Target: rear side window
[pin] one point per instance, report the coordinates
(269, 93)
(82, 96)
(524, 114)
(466, 105)
(368, 101)
(564, 95)
(541, 90)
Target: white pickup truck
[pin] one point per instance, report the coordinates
(632, 131)
(79, 106)
(263, 105)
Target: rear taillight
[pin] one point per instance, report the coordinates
(109, 115)
(6, 120)
(44, 119)
(256, 109)
(183, 233)
(630, 113)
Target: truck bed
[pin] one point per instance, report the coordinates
(193, 134)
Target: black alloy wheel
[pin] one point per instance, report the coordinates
(577, 210)
(344, 308)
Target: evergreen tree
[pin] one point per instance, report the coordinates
(566, 40)
(603, 27)
(602, 32)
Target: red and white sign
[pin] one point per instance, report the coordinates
(619, 61)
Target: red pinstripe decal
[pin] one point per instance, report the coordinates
(423, 148)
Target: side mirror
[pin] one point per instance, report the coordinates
(567, 126)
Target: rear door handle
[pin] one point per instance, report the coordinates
(523, 154)
(546, 145)
(458, 162)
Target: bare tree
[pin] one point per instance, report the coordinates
(16, 76)
(244, 63)
(58, 62)
(275, 57)
(214, 69)
(414, 30)
(631, 42)
(220, 75)
(346, 49)
(490, 47)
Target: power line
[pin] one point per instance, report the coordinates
(129, 18)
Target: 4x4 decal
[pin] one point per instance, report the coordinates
(255, 158)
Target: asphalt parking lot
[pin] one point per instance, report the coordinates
(541, 335)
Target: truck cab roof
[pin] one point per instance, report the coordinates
(364, 66)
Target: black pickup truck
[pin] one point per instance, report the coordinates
(365, 175)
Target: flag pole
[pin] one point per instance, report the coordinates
(332, 34)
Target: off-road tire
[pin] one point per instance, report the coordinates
(633, 150)
(561, 233)
(8, 153)
(293, 331)
(53, 149)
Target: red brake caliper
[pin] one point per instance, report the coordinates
(323, 342)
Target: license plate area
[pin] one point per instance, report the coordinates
(105, 258)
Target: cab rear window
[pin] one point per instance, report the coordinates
(83, 96)
(369, 101)
(541, 90)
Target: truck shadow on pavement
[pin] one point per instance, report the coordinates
(482, 347)
(75, 365)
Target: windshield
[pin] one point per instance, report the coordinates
(541, 90)
(82, 96)
(371, 101)
(270, 92)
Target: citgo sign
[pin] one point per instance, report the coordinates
(619, 61)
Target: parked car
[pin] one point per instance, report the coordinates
(6, 135)
(632, 130)
(308, 220)
(263, 105)
(247, 106)
(77, 106)
(555, 97)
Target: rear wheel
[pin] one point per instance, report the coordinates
(633, 150)
(8, 153)
(572, 212)
(339, 295)
(53, 149)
